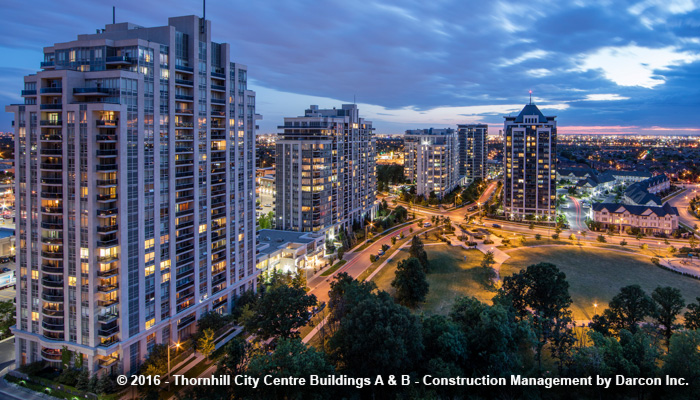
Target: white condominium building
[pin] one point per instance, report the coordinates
(135, 192)
(325, 170)
(431, 160)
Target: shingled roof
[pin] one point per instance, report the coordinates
(618, 208)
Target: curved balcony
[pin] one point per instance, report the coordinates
(54, 255)
(52, 210)
(107, 288)
(52, 195)
(107, 302)
(51, 240)
(107, 318)
(53, 298)
(57, 336)
(108, 273)
(52, 326)
(52, 283)
(51, 269)
(52, 312)
(51, 355)
(56, 226)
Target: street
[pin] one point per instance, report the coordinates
(682, 201)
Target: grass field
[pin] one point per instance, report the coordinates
(450, 277)
(596, 275)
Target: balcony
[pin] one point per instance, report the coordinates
(108, 273)
(107, 288)
(106, 198)
(52, 166)
(55, 255)
(53, 312)
(53, 298)
(51, 269)
(218, 114)
(106, 182)
(183, 97)
(107, 228)
(120, 60)
(185, 111)
(184, 125)
(106, 212)
(51, 354)
(108, 342)
(51, 240)
(46, 281)
(107, 243)
(107, 259)
(51, 122)
(218, 75)
(108, 332)
(95, 91)
(47, 64)
(52, 327)
(52, 181)
(107, 302)
(29, 92)
(106, 138)
(51, 151)
(52, 137)
(184, 68)
(184, 82)
(218, 101)
(107, 318)
(106, 167)
(106, 123)
(52, 195)
(52, 225)
(107, 362)
(51, 90)
(54, 106)
(218, 87)
(57, 336)
(106, 153)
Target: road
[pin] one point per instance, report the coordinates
(575, 214)
(7, 294)
(682, 201)
(7, 353)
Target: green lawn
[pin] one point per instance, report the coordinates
(596, 275)
(450, 277)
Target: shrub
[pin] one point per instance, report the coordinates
(487, 241)
(655, 260)
(538, 237)
(372, 258)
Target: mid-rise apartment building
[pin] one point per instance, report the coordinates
(135, 192)
(431, 160)
(325, 170)
(473, 150)
(530, 158)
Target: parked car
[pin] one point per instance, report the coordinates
(4, 260)
(496, 226)
(427, 224)
(564, 206)
(380, 253)
(6, 269)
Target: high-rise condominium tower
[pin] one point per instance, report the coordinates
(431, 160)
(135, 192)
(472, 150)
(325, 170)
(530, 157)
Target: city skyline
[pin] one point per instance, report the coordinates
(630, 68)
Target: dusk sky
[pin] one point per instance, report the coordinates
(599, 66)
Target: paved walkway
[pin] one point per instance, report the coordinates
(10, 391)
(498, 255)
(682, 265)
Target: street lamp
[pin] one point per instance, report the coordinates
(369, 225)
(177, 346)
(595, 307)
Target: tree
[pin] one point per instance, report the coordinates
(489, 273)
(623, 242)
(692, 242)
(417, 251)
(639, 236)
(341, 253)
(542, 292)
(291, 358)
(235, 358)
(683, 361)
(601, 239)
(531, 226)
(538, 236)
(692, 316)
(206, 343)
(280, 310)
(668, 303)
(373, 324)
(628, 308)
(410, 283)
(572, 237)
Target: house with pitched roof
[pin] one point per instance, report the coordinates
(650, 219)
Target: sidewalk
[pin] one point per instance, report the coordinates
(498, 255)
(11, 391)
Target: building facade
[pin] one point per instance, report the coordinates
(530, 158)
(431, 160)
(325, 171)
(135, 192)
(650, 219)
(473, 150)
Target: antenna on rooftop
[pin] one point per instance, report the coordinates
(530, 97)
(114, 15)
(204, 9)
(354, 100)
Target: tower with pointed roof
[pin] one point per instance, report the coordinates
(530, 158)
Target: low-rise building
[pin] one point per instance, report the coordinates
(289, 251)
(650, 219)
(646, 192)
(629, 176)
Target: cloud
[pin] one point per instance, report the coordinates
(604, 97)
(636, 66)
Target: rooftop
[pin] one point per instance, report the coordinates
(278, 239)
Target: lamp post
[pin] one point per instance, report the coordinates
(176, 345)
(595, 307)
(369, 225)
